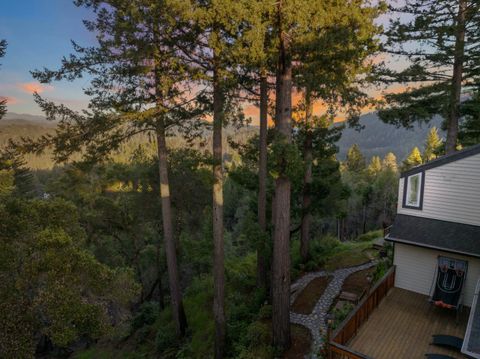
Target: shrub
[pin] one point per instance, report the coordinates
(146, 315)
(341, 313)
(265, 312)
(380, 271)
(166, 338)
(370, 236)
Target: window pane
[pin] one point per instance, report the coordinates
(413, 190)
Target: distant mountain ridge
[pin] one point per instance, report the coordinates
(12, 116)
(375, 139)
(378, 138)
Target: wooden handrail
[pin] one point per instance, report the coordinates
(349, 327)
(346, 352)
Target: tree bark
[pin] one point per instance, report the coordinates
(170, 250)
(453, 118)
(307, 180)
(281, 236)
(262, 183)
(161, 296)
(218, 256)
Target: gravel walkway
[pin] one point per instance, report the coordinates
(316, 320)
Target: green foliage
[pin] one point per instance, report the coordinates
(380, 271)
(63, 292)
(426, 37)
(414, 159)
(470, 124)
(287, 160)
(355, 161)
(369, 236)
(146, 315)
(433, 145)
(340, 314)
(325, 252)
(166, 338)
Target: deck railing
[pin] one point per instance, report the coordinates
(349, 327)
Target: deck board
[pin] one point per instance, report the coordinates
(402, 327)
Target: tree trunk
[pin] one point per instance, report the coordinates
(262, 183)
(161, 296)
(281, 236)
(453, 118)
(307, 180)
(170, 250)
(218, 256)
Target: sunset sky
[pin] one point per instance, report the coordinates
(38, 34)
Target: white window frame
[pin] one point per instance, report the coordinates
(418, 203)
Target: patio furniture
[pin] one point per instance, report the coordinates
(448, 341)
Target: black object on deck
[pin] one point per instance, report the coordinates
(448, 341)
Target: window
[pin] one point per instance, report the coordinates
(413, 191)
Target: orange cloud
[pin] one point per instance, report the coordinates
(31, 87)
(10, 100)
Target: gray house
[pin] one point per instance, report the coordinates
(436, 235)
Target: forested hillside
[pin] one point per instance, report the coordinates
(377, 138)
(159, 224)
(399, 141)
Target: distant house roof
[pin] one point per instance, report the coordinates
(467, 152)
(433, 233)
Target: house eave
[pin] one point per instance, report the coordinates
(416, 244)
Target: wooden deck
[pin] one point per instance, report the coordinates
(402, 327)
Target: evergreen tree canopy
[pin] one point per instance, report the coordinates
(413, 159)
(63, 293)
(138, 79)
(433, 144)
(441, 41)
(470, 125)
(355, 161)
(375, 166)
(390, 162)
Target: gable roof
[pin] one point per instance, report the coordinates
(433, 233)
(467, 152)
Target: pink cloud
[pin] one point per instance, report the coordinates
(31, 87)
(10, 100)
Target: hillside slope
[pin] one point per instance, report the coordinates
(375, 139)
(378, 138)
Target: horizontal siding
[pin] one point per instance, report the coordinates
(416, 268)
(452, 192)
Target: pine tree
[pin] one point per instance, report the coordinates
(220, 44)
(375, 166)
(336, 80)
(442, 43)
(470, 126)
(304, 29)
(390, 162)
(433, 144)
(3, 101)
(140, 85)
(413, 159)
(355, 161)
